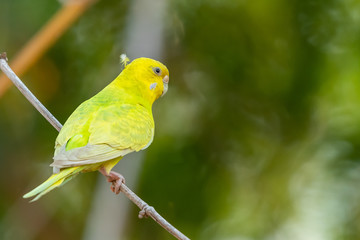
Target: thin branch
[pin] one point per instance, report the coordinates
(26, 92)
(146, 210)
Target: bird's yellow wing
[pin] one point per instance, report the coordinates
(110, 132)
(77, 126)
(127, 126)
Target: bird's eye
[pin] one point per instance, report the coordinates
(157, 70)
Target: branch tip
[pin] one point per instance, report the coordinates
(3, 56)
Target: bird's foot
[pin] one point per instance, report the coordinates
(145, 211)
(115, 178)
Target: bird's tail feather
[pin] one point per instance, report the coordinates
(54, 181)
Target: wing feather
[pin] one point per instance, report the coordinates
(112, 131)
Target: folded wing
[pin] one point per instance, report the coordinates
(108, 132)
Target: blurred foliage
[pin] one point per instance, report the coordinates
(257, 138)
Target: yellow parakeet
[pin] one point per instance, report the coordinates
(116, 121)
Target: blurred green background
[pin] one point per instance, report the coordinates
(258, 136)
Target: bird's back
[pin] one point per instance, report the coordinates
(108, 124)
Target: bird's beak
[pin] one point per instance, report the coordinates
(165, 81)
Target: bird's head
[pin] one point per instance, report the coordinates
(151, 77)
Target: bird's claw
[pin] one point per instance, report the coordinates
(116, 179)
(116, 185)
(144, 212)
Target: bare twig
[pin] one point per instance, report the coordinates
(146, 210)
(26, 92)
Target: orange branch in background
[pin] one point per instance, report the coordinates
(45, 38)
